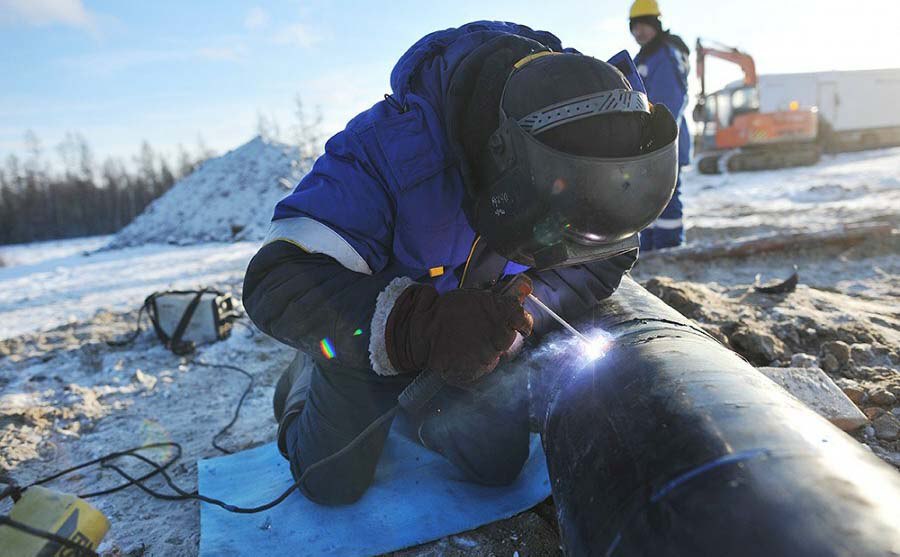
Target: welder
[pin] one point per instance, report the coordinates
(499, 153)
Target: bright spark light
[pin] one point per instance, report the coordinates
(600, 342)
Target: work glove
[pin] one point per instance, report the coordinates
(461, 334)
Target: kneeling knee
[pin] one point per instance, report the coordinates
(498, 472)
(328, 487)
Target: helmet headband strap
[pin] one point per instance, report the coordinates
(604, 102)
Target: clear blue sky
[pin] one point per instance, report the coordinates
(168, 71)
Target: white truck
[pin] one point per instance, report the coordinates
(858, 109)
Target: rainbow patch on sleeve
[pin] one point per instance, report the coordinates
(326, 348)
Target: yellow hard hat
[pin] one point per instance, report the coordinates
(642, 8)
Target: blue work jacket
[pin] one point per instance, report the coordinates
(665, 74)
(388, 192)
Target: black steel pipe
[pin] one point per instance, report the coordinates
(672, 444)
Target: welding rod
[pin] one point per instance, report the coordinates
(559, 319)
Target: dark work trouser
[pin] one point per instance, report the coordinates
(483, 430)
(668, 230)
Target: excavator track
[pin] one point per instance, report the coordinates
(768, 157)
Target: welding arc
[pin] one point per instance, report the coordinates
(559, 319)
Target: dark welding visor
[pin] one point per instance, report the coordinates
(548, 208)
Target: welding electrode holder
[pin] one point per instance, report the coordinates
(429, 383)
(418, 393)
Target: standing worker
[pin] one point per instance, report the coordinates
(663, 63)
(499, 153)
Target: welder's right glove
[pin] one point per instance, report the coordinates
(460, 334)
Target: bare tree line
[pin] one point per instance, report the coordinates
(76, 197)
(304, 132)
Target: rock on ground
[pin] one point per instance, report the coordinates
(887, 427)
(815, 389)
(882, 397)
(804, 360)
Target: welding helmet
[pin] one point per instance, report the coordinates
(579, 164)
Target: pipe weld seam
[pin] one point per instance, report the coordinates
(644, 320)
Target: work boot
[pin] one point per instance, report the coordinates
(290, 396)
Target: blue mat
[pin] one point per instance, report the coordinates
(416, 497)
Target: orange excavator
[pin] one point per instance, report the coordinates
(736, 136)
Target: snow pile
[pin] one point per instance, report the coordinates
(228, 198)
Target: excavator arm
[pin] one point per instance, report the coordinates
(729, 54)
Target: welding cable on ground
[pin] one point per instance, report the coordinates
(237, 410)
(183, 495)
(14, 491)
(112, 456)
(134, 334)
(250, 330)
(104, 460)
(423, 388)
(160, 469)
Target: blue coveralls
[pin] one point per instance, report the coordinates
(664, 69)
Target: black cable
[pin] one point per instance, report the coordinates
(158, 469)
(55, 538)
(105, 461)
(237, 409)
(250, 329)
(112, 456)
(12, 489)
(137, 329)
(183, 495)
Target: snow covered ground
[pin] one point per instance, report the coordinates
(61, 287)
(66, 396)
(29, 254)
(848, 188)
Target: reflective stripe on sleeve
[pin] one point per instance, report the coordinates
(315, 237)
